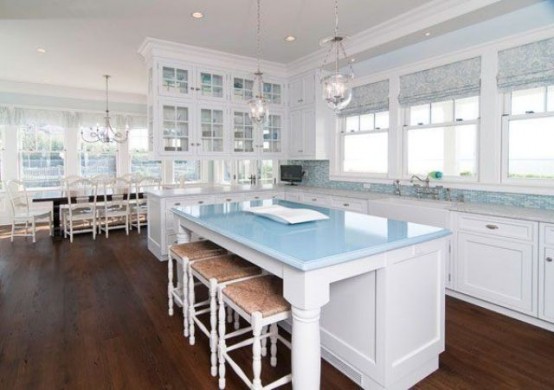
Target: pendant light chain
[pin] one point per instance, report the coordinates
(258, 105)
(258, 33)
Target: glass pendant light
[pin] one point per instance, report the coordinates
(258, 105)
(336, 88)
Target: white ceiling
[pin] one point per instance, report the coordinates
(87, 38)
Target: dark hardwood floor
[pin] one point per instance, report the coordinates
(93, 315)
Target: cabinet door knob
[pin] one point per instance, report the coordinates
(549, 259)
(492, 227)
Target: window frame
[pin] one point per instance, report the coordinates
(406, 127)
(20, 150)
(343, 133)
(505, 140)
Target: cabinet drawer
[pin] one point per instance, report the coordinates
(260, 195)
(499, 227)
(230, 198)
(358, 205)
(293, 197)
(548, 235)
(316, 199)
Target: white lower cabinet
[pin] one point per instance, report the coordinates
(546, 273)
(496, 268)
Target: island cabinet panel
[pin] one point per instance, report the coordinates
(354, 330)
(546, 273)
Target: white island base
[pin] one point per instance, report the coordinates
(385, 329)
(379, 319)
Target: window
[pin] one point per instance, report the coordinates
(41, 155)
(138, 150)
(272, 134)
(240, 171)
(364, 140)
(98, 158)
(442, 136)
(528, 134)
(186, 171)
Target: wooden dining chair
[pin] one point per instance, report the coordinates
(139, 207)
(81, 214)
(22, 212)
(114, 213)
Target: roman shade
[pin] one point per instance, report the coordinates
(526, 66)
(452, 81)
(34, 117)
(368, 98)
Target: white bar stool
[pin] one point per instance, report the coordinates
(183, 254)
(212, 272)
(260, 302)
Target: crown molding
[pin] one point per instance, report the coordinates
(153, 47)
(420, 18)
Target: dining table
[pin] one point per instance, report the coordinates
(59, 198)
(366, 293)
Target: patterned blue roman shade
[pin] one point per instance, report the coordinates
(526, 66)
(452, 81)
(368, 98)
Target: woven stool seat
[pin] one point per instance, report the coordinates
(264, 295)
(197, 250)
(225, 268)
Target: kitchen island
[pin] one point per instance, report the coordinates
(366, 292)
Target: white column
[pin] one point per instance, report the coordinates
(306, 350)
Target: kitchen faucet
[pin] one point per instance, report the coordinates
(416, 177)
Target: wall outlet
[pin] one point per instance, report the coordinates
(367, 186)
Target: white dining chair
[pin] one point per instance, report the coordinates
(139, 207)
(81, 214)
(114, 213)
(22, 212)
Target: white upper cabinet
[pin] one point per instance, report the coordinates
(175, 80)
(311, 122)
(302, 90)
(198, 109)
(250, 140)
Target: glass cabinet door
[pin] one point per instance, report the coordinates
(211, 85)
(273, 134)
(243, 132)
(175, 81)
(212, 125)
(243, 89)
(176, 131)
(272, 92)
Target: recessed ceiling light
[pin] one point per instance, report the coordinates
(197, 15)
(290, 38)
(41, 50)
(352, 60)
(427, 34)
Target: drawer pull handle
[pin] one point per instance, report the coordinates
(492, 227)
(314, 199)
(177, 204)
(200, 201)
(549, 259)
(256, 197)
(228, 200)
(346, 204)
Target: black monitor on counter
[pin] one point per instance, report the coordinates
(291, 174)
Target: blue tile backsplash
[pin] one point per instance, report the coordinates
(318, 176)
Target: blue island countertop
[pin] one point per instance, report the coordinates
(345, 236)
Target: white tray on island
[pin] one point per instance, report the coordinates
(288, 215)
